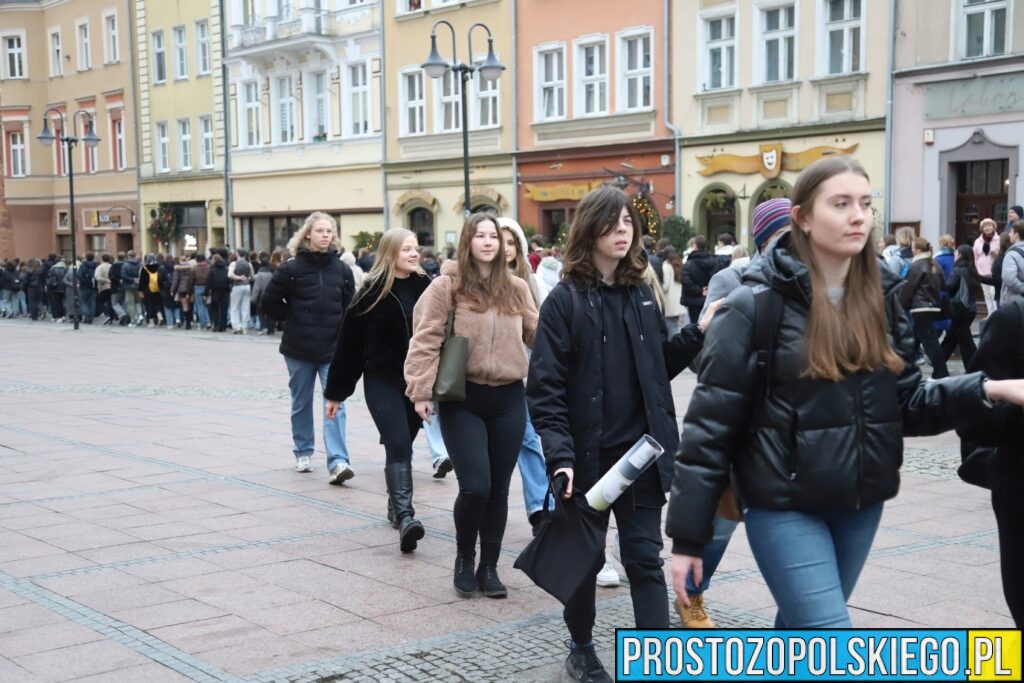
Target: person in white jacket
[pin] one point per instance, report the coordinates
(672, 269)
(349, 260)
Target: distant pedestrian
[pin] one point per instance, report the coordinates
(986, 248)
(218, 291)
(240, 273)
(150, 288)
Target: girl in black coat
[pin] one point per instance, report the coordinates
(959, 333)
(816, 449)
(920, 297)
(372, 344)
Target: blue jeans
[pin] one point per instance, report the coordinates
(811, 561)
(201, 311)
(301, 382)
(435, 442)
(532, 469)
(18, 301)
(713, 553)
(172, 316)
(88, 297)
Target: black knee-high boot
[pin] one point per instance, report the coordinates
(399, 481)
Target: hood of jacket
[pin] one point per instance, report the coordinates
(550, 262)
(517, 230)
(450, 267)
(152, 268)
(183, 267)
(700, 256)
(318, 257)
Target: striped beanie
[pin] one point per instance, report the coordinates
(770, 217)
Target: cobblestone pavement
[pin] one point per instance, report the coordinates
(151, 528)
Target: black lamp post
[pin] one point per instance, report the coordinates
(490, 70)
(69, 141)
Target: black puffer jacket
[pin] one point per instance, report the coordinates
(310, 294)
(564, 389)
(811, 444)
(962, 271)
(376, 341)
(696, 275)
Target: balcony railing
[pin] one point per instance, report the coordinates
(310, 22)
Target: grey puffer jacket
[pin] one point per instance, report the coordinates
(1013, 275)
(811, 444)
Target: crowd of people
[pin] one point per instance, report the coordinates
(556, 361)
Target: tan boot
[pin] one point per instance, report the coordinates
(694, 616)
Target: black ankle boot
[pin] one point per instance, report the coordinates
(465, 582)
(490, 584)
(399, 481)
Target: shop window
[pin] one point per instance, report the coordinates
(421, 222)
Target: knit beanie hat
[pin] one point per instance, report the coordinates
(1019, 211)
(770, 217)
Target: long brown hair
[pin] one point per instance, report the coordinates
(382, 275)
(852, 338)
(597, 215)
(498, 291)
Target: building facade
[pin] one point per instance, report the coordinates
(181, 125)
(762, 88)
(958, 128)
(304, 108)
(71, 57)
(423, 171)
(591, 107)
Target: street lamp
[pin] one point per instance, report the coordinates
(490, 70)
(69, 141)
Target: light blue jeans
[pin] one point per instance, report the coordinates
(532, 469)
(172, 316)
(811, 562)
(19, 303)
(713, 553)
(435, 442)
(302, 382)
(201, 311)
(5, 302)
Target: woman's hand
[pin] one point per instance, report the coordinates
(705, 322)
(567, 471)
(331, 409)
(682, 565)
(425, 409)
(1011, 390)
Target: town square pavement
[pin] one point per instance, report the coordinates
(152, 529)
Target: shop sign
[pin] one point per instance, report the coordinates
(559, 193)
(974, 96)
(769, 161)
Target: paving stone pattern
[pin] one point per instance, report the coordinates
(151, 528)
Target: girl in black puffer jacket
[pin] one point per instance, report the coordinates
(920, 297)
(310, 293)
(959, 333)
(816, 447)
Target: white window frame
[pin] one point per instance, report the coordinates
(90, 156)
(118, 155)
(111, 38)
(846, 25)
(356, 98)
(403, 6)
(581, 80)
(963, 9)
(184, 130)
(453, 98)
(623, 74)
(252, 112)
(55, 51)
(159, 56)
(18, 155)
(207, 149)
(203, 65)
(60, 156)
(180, 52)
(284, 130)
(556, 86)
(417, 106)
(793, 33)
(21, 52)
(314, 102)
(83, 44)
(705, 45)
(161, 147)
(482, 91)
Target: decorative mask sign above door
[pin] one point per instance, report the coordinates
(770, 161)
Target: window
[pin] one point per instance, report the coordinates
(59, 160)
(485, 101)
(359, 99)
(636, 69)
(14, 57)
(284, 10)
(450, 114)
(319, 107)
(56, 54)
(117, 130)
(180, 53)
(253, 115)
(249, 15)
(89, 159)
(984, 28)
(285, 109)
(409, 5)
(184, 145)
(550, 79)
(413, 103)
(720, 37)
(779, 43)
(202, 47)
(159, 58)
(163, 148)
(111, 48)
(206, 127)
(84, 51)
(593, 79)
(16, 153)
(842, 36)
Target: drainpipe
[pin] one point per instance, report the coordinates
(384, 124)
(676, 133)
(515, 112)
(229, 221)
(134, 67)
(889, 96)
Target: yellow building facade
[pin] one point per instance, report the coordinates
(181, 125)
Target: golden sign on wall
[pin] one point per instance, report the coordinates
(770, 160)
(563, 192)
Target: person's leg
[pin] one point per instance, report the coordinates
(1008, 506)
(853, 532)
(693, 312)
(990, 299)
(334, 430)
(301, 382)
(169, 317)
(202, 315)
(235, 306)
(245, 306)
(580, 612)
(533, 470)
(435, 441)
(465, 437)
(966, 340)
(638, 518)
(88, 305)
(924, 330)
(713, 553)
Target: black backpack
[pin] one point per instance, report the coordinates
(55, 278)
(86, 272)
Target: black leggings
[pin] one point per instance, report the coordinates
(394, 415)
(1008, 504)
(154, 306)
(928, 337)
(483, 435)
(959, 334)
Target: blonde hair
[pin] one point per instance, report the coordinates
(947, 241)
(739, 251)
(382, 275)
(302, 234)
(519, 265)
(905, 236)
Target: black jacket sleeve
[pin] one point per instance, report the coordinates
(681, 349)
(715, 424)
(1000, 355)
(347, 365)
(546, 386)
(274, 302)
(953, 284)
(690, 287)
(909, 289)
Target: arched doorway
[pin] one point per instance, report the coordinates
(421, 222)
(715, 211)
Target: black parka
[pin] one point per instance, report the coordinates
(564, 389)
(697, 272)
(310, 293)
(810, 444)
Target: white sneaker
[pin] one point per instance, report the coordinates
(608, 577)
(341, 473)
(302, 464)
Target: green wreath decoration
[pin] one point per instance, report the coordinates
(163, 227)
